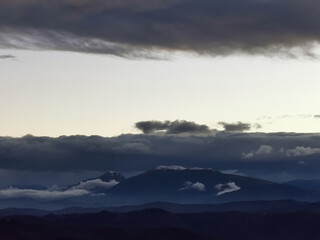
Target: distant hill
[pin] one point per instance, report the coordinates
(279, 206)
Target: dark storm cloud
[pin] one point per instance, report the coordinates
(134, 28)
(236, 127)
(152, 126)
(7, 57)
(175, 127)
(273, 156)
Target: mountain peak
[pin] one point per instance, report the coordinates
(173, 167)
(111, 175)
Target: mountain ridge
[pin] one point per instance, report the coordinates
(174, 184)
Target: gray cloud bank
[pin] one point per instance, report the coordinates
(274, 156)
(138, 27)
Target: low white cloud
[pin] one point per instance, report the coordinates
(301, 151)
(56, 192)
(198, 186)
(227, 188)
(95, 183)
(262, 150)
(40, 194)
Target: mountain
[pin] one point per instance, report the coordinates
(194, 185)
(306, 184)
(174, 184)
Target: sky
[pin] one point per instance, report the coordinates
(50, 93)
(142, 74)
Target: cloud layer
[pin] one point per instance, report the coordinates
(138, 27)
(273, 156)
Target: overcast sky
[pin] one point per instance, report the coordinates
(162, 67)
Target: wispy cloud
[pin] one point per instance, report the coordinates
(95, 183)
(56, 192)
(227, 188)
(198, 186)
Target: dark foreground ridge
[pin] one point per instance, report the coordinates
(279, 206)
(160, 224)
